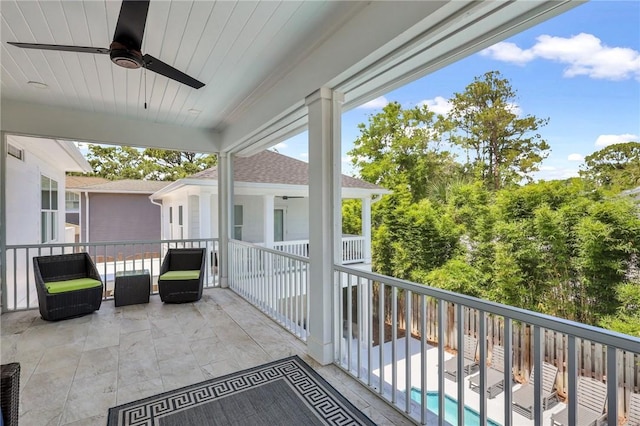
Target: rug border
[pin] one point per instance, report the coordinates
(112, 416)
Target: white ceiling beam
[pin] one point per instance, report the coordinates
(23, 118)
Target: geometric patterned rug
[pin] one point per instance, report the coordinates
(284, 392)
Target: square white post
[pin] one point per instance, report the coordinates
(225, 214)
(324, 217)
(268, 205)
(366, 228)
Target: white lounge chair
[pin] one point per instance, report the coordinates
(591, 399)
(523, 398)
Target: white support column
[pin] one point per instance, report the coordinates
(225, 214)
(325, 216)
(267, 213)
(205, 213)
(366, 228)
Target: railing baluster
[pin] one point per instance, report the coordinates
(423, 360)
(369, 331)
(349, 319)
(572, 372)
(407, 349)
(482, 342)
(612, 386)
(394, 343)
(508, 372)
(460, 360)
(360, 325)
(441, 394)
(381, 334)
(537, 374)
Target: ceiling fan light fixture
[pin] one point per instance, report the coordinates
(125, 58)
(38, 84)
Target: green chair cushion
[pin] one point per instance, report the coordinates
(54, 287)
(180, 275)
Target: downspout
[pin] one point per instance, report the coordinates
(161, 216)
(86, 228)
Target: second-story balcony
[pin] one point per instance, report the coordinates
(396, 351)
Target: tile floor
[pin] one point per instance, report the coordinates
(72, 371)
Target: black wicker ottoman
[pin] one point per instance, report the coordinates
(10, 393)
(132, 287)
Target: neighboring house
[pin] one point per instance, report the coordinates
(118, 210)
(72, 200)
(35, 188)
(271, 204)
(35, 205)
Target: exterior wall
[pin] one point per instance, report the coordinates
(121, 217)
(252, 223)
(296, 218)
(23, 198)
(296, 215)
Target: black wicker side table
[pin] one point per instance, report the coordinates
(10, 392)
(132, 287)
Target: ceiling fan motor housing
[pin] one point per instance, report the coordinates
(126, 58)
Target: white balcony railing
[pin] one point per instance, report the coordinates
(392, 337)
(353, 248)
(273, 281)
(109, 257)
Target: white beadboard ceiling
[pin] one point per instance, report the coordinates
(258, 59)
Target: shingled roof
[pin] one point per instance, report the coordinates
(77, 182)
(272, 167)
(93, 184)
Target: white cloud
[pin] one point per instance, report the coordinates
(439, 105)
(575, 157)
(376, 103)
(584, 54)
(553, 173)
(606, 140)
(304, 155)
(515, 109)
(280, 145)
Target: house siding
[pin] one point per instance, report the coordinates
(121, 217)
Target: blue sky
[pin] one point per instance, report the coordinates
(580, 69)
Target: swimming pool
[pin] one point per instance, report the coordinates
(471, 416)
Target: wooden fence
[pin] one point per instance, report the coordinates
(591, 357)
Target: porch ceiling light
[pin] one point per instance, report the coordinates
(38, 84)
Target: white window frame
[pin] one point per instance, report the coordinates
(49, 189)
(238, 220)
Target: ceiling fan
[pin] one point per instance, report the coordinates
(125, 47)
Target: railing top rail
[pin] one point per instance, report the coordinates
(268, 250)
(112, 243)
(583, 331)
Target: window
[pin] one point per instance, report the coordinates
(15, 152)
(278, 225)
(237, 222)
(180, 222)
(170, 214)
(72, 201)
(48, 209)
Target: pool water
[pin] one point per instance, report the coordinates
(471, 416)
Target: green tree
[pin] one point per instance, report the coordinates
(352, 217)
(401, 147)
(502, 148)
(627, 316)
(615, 166)
(123, 162)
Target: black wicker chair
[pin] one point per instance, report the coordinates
(10, 393)
(67, 304)
(178, 282)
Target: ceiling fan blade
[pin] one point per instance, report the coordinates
(156, 65)
(59, 47)
(131, 23)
